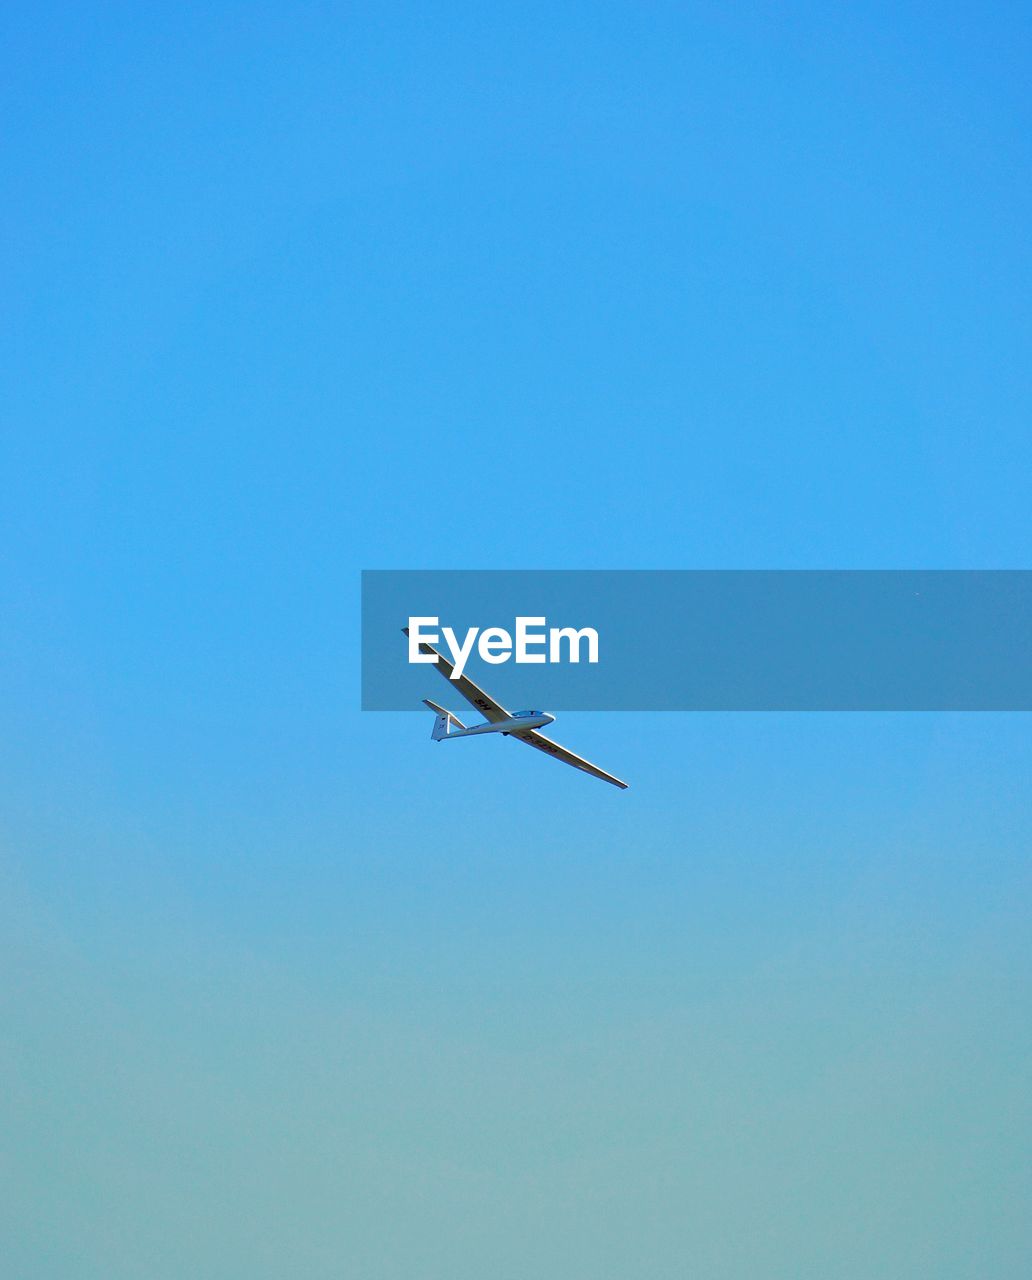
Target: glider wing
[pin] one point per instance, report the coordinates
(474, 695)
(534, 739)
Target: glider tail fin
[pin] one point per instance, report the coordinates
(444, 721)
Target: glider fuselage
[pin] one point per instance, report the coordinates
(518, 720)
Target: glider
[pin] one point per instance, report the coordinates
(521, 725)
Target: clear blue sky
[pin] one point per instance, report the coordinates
(292, 291)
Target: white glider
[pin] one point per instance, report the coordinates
(521, 725)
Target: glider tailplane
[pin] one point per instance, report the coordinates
(444, 721)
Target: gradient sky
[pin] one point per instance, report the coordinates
(292, 291)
